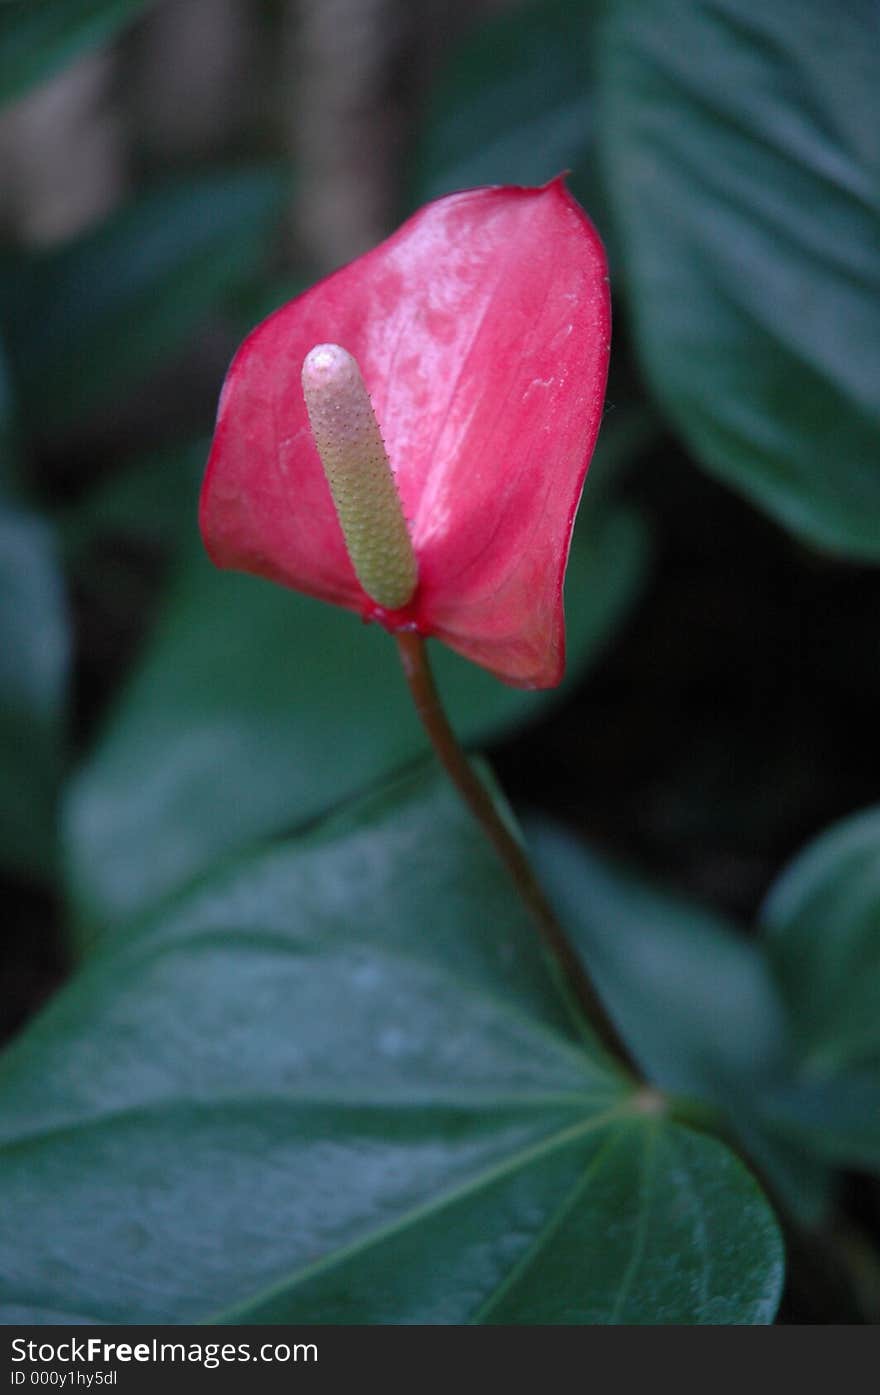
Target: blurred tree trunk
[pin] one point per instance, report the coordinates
(191, 75)
(357, 71)
(342, 123)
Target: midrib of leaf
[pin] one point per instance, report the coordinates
(487, 1177)
(645, 1188)
(279, 1100)
(565, 1207)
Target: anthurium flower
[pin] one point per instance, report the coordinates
(480, 331)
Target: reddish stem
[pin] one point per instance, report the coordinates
(575, 980)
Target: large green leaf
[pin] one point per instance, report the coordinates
(740, 152)
(620, 1221)
(34, 655)
(513, 103)
(337, 1084)
(150, 502)
(87, 321)
(694, 999)
(822, 920)
(836, 1118)
(257, 709)
(822, 930)
(39, 36)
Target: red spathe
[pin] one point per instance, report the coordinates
(482, 331)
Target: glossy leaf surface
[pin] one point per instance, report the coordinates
(740, 152)
(344, 1064)
(695, 1000)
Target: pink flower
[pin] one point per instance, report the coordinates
(481, 329)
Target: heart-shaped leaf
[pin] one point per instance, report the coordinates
(694, 999)
(740, 152)
(337, 1084)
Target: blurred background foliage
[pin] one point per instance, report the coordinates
(171, 172)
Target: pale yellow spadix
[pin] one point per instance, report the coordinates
(361, 480)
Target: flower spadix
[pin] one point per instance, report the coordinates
(475, 340)
(351, 450)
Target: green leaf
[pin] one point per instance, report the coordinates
(625, 1222)
(837, 1119)
(822, 930)
(694, 999)
(257, 709)
(337, 1084)
(88, 321)
(37, 37)
(822, 921)
(152, 501)
(513, 104)
(256, 302)
(822, 933)
(739, 148)
(34, 658)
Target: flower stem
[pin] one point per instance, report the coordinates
(573, 976)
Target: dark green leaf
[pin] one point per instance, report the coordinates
(34, 654)
(624, 1221)
(39, 36)
(257, 709)
(153, 502)
(337, 1084)
(257, 301)
(822, 922)
(694, 999)
(90, 320)
(739, 148)
(837, 1118)
(513, 103)
(823, 932)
